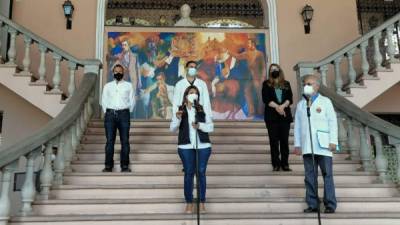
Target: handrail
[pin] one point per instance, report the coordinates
(354, 44)
(49, 45)
(65, 119)
(350, 114)
(351, 110)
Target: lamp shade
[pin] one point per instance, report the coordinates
(307, 13)
(68, 8)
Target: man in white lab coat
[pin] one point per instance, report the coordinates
(324, 131)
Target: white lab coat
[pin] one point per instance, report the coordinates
(323, 118)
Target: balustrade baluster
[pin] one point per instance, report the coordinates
(5, 202)
(28, 191)
(12, 51)
(42, 65)
(338, 76)
(47, 174)
(377, 53)
(57, 74)
(381, 161)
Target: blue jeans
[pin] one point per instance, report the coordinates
(117, 120)
(325, 164)
(188, 157)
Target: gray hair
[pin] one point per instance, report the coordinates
(311, 76)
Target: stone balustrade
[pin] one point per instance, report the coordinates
(60, 137)
(44, 48)
(373, 52)
(360, 133)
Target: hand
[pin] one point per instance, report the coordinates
(179, 114)
(281, 110)
(195, 125)
(332, 147)
(297, 151)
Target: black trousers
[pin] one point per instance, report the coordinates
(117, 120)
(278, 133)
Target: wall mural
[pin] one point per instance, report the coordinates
(232, 64)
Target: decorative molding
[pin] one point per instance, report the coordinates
(273, 31)
(100, 22)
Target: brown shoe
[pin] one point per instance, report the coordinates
(203, 208)
(189, 208)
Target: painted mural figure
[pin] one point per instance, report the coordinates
(257, 66)
(232, 78)
(129, 60)
(232, 65)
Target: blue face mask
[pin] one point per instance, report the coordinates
(192, 72)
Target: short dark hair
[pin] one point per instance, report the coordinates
(189, 62)
(118, 65)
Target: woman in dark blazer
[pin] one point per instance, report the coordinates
(277, 96)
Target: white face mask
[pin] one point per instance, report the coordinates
(192, 97)
(308, 90)
(192, 72)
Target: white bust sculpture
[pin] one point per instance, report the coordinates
(185, 20)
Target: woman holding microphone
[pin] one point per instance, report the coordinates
(193, 124)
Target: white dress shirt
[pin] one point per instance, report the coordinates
(323, 118)
(206, 127)
(179, 91)
(117, 96)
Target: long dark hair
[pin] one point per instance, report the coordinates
(281, 79)
(197, 106)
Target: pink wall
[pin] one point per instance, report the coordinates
(46, 18)
(334, 25)
(387, 102)
(21, 119)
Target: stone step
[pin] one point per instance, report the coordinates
(172, 147)
(232, 205)
(173, 139)
(165, 124)
(150, 191)
(166, 131)
(137, 155)
(214, 219)
(217, 178)
(213, 166)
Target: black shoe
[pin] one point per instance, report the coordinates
(107, 170)
(286, 168)
(310, 210)
(126, 170)
(329, 210)
(276, 168)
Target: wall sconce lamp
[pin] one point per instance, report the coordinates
(68, 12)
(307, 13)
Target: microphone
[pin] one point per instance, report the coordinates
(308, 99)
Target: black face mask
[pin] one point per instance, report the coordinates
(275, 74)
(118, 76)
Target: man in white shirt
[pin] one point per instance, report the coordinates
(191, 79)
(324, 133)
(117, 101)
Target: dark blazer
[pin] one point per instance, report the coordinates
(268, 95)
